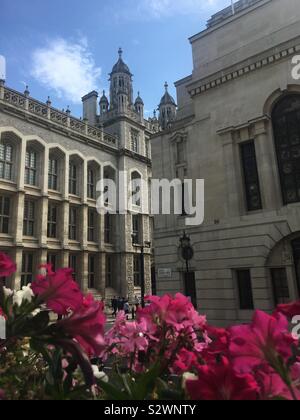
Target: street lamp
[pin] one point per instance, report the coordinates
(187, 251)
(142, 247)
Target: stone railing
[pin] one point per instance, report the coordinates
(61, 118)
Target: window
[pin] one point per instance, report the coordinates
(137, 271)
(52, 221)
(27, 269)
(6, 161)
(251, 179)
(73, 179)
(73, 224)
(4, 214)
(109, 271)
(31, 168)
(73, 264)
(245, 289)
(29, 221)
(108, 228)
(53, 175)
(92, 223)
(180, 152)
(286, 124)
(280, 286)
(52, 260)
(91, 184)
(135, 141)
(92, 272)
(136, 229)
(136, 182)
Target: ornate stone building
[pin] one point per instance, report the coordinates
(238, 128)
(50, 164)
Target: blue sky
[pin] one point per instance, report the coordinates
(66, 48)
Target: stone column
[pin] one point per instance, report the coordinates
(65, 225)
(45, 172)
(20, 171)
(84, 181)
(83, 228)
(18, 212)
(127, 282)
(233, 201)
(83, 271)
(43, 222)
(101, 281)
(65, 259)
(16, 278)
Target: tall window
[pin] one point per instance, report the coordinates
(108, 228)
(92, 272)
(135, 141)
(73, 224)
(4, 214)
(92, 223)
(52, 221)
(73, 179)
(180, 152)
(31, 168)
(286, 124)
(245, 289)
(137, 271)
(91, 184)
(53, 175)
(52, 260)
(280, 286)
(6, 161)
(251, 179)
(136, 182)
(29, 221)
(109, 271)
(73, 264)
(27, 269)
(136, 229)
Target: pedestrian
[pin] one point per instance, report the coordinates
(126, 308)
(114, 304)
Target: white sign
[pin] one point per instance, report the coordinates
(165, 273)
(2, 328)
(2, 68)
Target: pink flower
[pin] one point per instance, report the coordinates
(220, 382)
(289, 310)
(218, 344)
(86, 326)
(260, 343)
(185, 361)
(58, 290)
(272, 386)
(2, 314)
(177, 312)
(7, 266)
(134, 337)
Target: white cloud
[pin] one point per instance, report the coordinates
(66, 67)
(156, 9)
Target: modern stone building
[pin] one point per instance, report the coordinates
(50, 164)
(238, 128)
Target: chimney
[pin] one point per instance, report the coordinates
(90, 107)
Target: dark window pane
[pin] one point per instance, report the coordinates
(286, 125)
(251, 176)
(245, 289)
(280, 286)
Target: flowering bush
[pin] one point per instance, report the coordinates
(57, 347)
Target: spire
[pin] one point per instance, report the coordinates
(120, 52)
(166, 87)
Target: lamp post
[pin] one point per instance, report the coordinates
(142, 247)
(187, 251)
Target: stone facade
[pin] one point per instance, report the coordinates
(234, 127)
(50, 164)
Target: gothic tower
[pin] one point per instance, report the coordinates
(167, 109)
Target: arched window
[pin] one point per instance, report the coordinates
(6, 161)
(31, 167)
(136, 183)
(286, 124)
